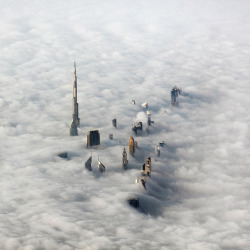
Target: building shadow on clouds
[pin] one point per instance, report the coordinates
(160, 193)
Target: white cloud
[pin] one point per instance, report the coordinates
(198, 195)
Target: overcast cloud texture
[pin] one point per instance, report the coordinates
(198, 197)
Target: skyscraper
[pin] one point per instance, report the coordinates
(146, 168)
(131, 145)
(75, 118)
(149, 118)
(137, 128)
(114, 123)
(93, 138)
(124, 159)
(174, 96)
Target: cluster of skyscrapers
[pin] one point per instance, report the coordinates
(93, 136)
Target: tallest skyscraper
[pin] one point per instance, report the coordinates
(75, 118)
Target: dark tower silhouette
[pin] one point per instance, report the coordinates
(114, 123)
(93, 138)
(124, 159)
(174, 96)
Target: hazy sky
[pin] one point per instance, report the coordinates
(198, 197)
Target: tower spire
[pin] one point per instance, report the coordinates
(124, 159)
(75, 118)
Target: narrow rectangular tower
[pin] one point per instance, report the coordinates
(93, 138)
(131, 145)
(146, 168)
(124, 159)
(174, 96)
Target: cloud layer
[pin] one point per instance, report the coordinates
(198, 196)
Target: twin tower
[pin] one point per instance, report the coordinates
(75, 117)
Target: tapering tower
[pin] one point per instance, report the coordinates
(75, 118)
(124, 158)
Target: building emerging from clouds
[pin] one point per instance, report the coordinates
(75, 118)
(174, 96)
(124, 159)
(88, 164)
(93, 138)
(131, 145)
(150, 122)
(137, 128)
(101, 167)
(114, 123)
(146, 168)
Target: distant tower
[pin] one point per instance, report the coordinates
(146, 168)
(75, 118)
(157, 150)
(114, 123)
(137, 128)
(149, 118)
(93, 138)
(143, 169)
(174, 96)
(124, 159)
(131, 145)
(134, 128)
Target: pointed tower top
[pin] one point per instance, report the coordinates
(74, 67)
(124, 151)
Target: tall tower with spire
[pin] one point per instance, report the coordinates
(75, 118)
(124, 159)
